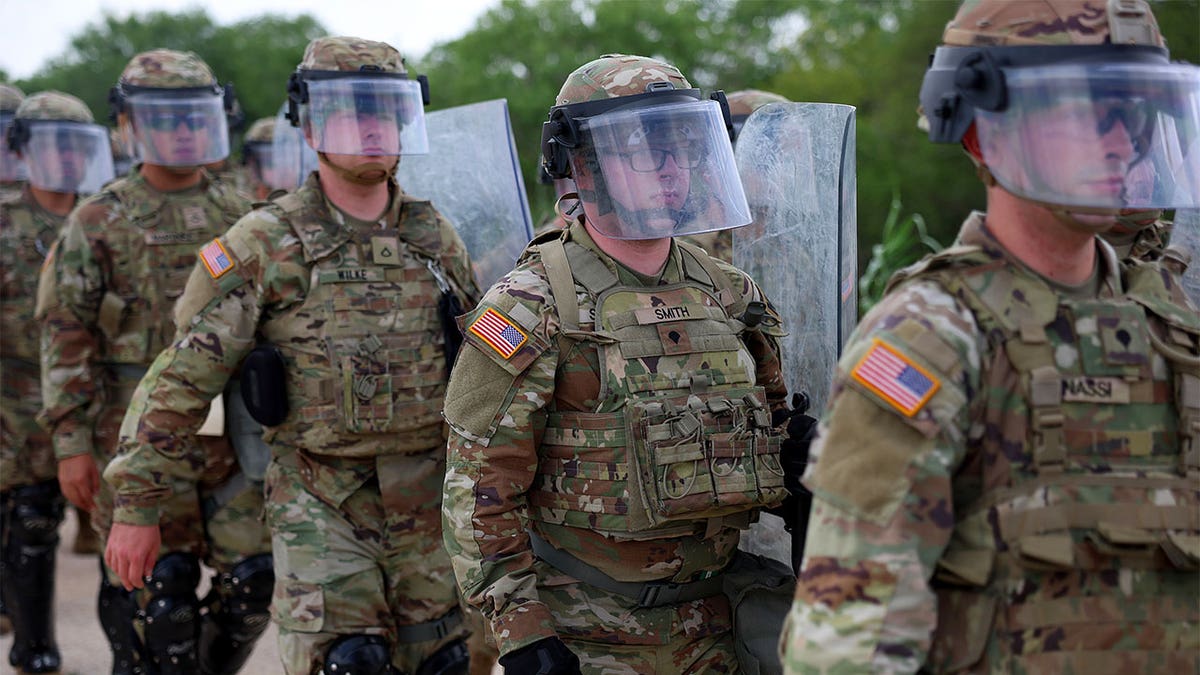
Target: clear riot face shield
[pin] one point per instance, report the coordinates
(65, 156)
(11, 167)
(185, 127)
(292, 157)
(260, 157)
(1104, 129)
(375, 116)
(659, 166)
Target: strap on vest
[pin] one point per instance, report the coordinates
(729, 297)
(430, 630)
(649, 594)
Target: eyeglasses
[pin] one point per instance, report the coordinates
(647, 160)
(169, 121)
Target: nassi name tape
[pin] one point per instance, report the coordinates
(899, 381)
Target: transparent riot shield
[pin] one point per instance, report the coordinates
(291, 157)
(1185, 234)
(797, 164)
(473, 178)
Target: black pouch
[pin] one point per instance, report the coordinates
(264, 385)
(449, 308)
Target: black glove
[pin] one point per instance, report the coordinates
(793, 449)
(548, 656)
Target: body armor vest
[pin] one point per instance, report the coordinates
(153, 253)
(365, 350)
(27, 238)
(1078, 520)
(681, 435)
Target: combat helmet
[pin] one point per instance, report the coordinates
(341, 78)
(178, 111)
(650, 155)
(1011, 69)
(61, 146)
(11, 168)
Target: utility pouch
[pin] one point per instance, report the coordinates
(264, 385)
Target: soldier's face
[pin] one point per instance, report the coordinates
(373, 134)
(653, 177)
(184, 137)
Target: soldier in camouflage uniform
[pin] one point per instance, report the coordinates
(12, 172)
(55, 137)
(1007, 476)
(256, 159)
(741, 103)
(340, 284)
(610, 413)
(105, 299)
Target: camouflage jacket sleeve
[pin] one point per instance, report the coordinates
(881, 474)
(70, 289)
(496, 410)
(217, 317)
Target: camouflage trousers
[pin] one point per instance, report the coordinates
(26, 453)
(613, 636)
(358, 551)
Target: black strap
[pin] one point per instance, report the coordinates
(649, 594)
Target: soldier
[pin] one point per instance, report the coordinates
(122, 155)
(611, 347)
(342, 284)
(105, 300)
(741, 103)
(12, 172)
(257, 164)
(1006, 479)
(66, 154)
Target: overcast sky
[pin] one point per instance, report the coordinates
(34, 31)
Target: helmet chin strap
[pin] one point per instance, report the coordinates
(371, 173)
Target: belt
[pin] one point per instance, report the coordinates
(647, 594)
(430, 630)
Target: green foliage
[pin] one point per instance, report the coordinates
(904, 240)
(256, 54)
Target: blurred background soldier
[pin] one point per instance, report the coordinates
(1007, 474)
(105, 299)
(610, 347)
(258, 167)
(11, 169)
(122, 153)
(719, 244)
(347, 286)
(66, 154)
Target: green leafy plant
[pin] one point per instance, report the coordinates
(905, 239)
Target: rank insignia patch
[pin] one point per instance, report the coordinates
(216, 259)
(498, 332)
(895, 378)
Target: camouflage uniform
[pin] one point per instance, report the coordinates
(353, 487)
(1006, 478)
(719, 244)
(105, 302)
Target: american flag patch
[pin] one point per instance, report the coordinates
(895, 378)
(498, 332)
(216, 258)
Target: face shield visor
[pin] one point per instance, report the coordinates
(658, 171)
(67, 156)
(1103, 136)
(259, 156)
(179, 129)
(365, 116)
(11, 167)
(292, 158)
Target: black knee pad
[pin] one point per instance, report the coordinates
(245, 596)
(172, 617)
(452, 659)
(359, 654)
(35, 512)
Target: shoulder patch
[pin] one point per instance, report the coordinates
(216, 259)
(895, 378)
(498, 332)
